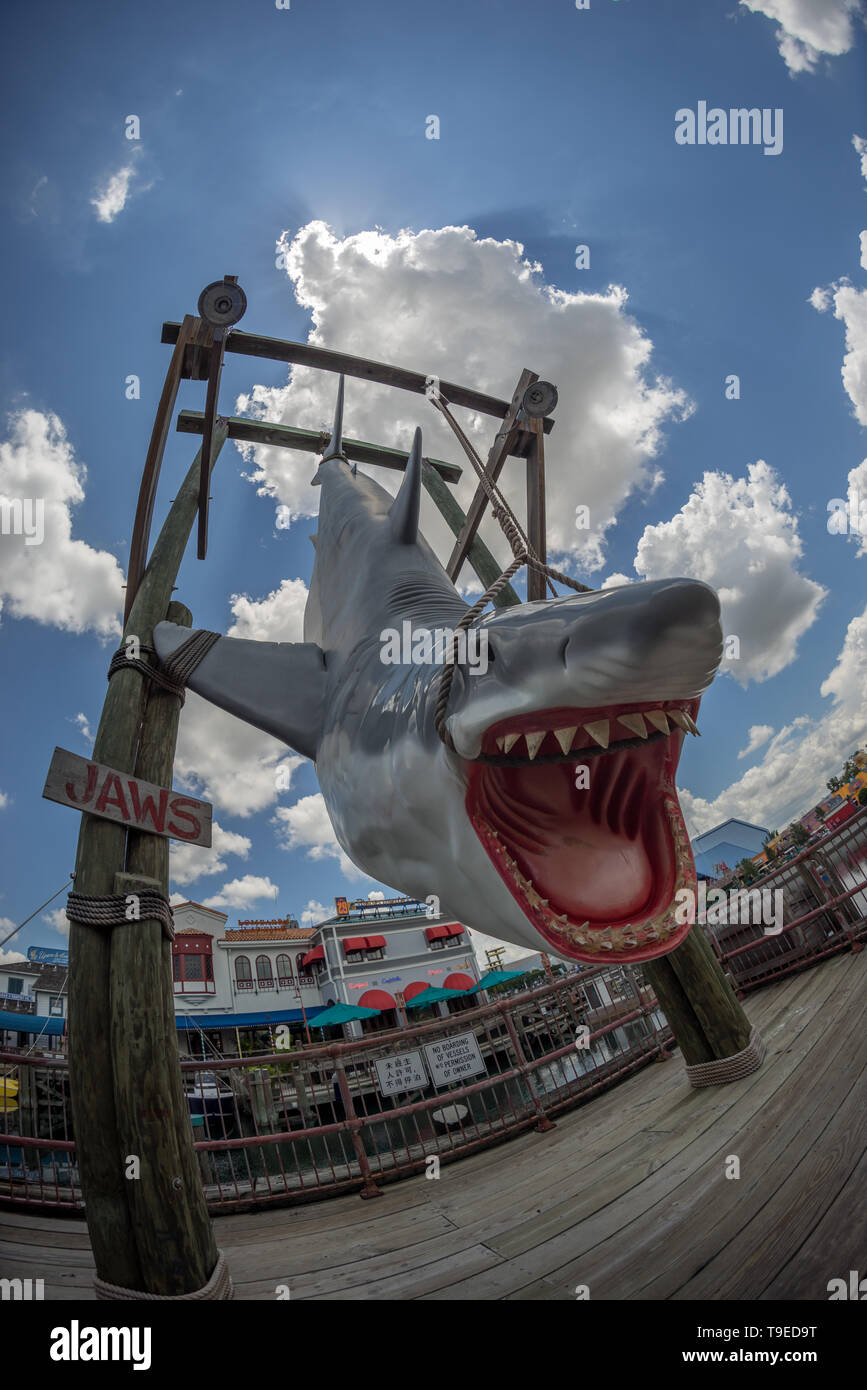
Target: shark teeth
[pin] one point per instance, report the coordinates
(638, 724)
(565, 736)
(534, 742)
(634, 722)
(600, 731)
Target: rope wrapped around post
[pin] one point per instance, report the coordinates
(171, 675)
(112, 911)
(219, 1286)
(724, 1069)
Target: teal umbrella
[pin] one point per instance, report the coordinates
(342, 1013)
(432, 995)
(499, 977)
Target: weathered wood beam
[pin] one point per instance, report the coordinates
(306, 354)
(486, 566)
(100, 856)
(312, 442)
(176, 1247)
(536, 524)
(138, 550)
(503, 445)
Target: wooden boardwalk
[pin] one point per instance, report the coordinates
(627, 1195)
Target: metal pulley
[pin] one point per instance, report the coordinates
(223, 302)
(539, 399)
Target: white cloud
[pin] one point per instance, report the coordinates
(111, 197)
(9, 957)
(314, 913)
(190, 862)
(61, 581)
(376, 896)
(306, 826)
(863, 240)
(809, 29)
(4, 800)
(739, 535)
(228, 762)
(57, 920)
(856, 497)
(83, 725)
(759, 735)
(850, 306)
(277, 618)
(791, 776)
(397, 299)
(243, 892)
(859, 144)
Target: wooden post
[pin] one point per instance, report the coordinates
(536, 524)
(101, 854)
(176, 1247)
(483, 562)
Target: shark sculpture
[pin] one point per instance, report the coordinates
(552, 821)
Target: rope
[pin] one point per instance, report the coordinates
(111, 911)
(171, 675)
(183, 662)
(724, 1069)
(523, 553)
(219, 1286)
(121, 662)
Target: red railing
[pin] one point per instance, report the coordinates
(315, 1121)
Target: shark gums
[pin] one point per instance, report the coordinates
(497, 827)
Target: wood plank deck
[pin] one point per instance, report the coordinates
(628, 1195)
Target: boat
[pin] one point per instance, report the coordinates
(209, 1097)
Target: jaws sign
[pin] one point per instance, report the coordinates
(118, 796)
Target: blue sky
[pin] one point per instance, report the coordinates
(307, 127)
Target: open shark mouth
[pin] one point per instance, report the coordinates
(578, 812)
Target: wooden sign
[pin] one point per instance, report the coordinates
(118, 796)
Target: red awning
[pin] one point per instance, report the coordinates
(355, 943)
(375, 943)
(318, 953)
(434, 933)
(415, 988)
(376, 999)
(454, 929)
(458, 981)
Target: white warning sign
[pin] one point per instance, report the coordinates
(454, 1059)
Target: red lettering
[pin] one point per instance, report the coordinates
(141, 811)
(112, 784)
(196, 831)
(89, 789)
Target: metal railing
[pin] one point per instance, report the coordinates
(315, 1121)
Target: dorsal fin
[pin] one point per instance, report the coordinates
(404, 509)
(334, 447)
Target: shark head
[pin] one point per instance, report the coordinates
(547, 814)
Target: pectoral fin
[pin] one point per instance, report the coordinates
(278, 687)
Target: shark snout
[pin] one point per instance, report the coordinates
(643, 642)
